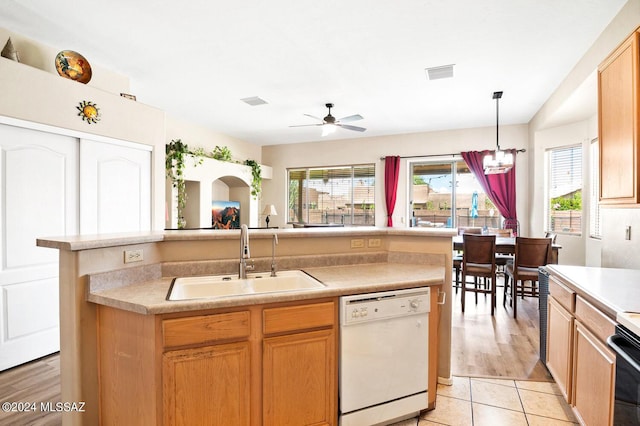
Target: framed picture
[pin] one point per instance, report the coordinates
(225, 214)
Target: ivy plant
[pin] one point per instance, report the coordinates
(256, 183)
(176, 152)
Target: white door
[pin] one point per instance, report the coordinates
(115, 187)
(38, 182)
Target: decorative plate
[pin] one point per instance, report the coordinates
(73, 65)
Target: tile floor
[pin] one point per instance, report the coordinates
(495, 402)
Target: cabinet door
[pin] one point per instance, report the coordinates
(38, 198)
(593, 378)
(115, 187)
(559, 346)
(300, 379)
(207, 386)
(618, 108)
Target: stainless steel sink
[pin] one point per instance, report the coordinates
(214, 286)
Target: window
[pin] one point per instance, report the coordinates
(595, 221)
(564, 209)
(436, 202)
(343, 195)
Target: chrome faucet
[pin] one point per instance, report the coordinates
(245, 254)
(274, 242)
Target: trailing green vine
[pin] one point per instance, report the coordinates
(176, 152)
(256, 183)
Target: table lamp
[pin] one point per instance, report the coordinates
(269, 210)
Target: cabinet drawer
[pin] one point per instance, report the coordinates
(599, 324)
(205, 328)
(293, 318)
(562, 294)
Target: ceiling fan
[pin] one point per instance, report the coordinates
(329, 123)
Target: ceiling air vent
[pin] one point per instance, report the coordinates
(436, 73)
(254, 101)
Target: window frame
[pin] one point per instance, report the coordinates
(351, 192)
(595, 213)
(548, 189)
(453, 161)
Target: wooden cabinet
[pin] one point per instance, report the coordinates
(559, 346)
(577, 355)
(300, 367)
(207, 385)
(210, 384)
(259, 365)
(594, 368)
(619, 129)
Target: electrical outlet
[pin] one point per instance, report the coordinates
(131, 256)
(357, 243)
(374, 242)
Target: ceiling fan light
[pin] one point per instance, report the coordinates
(328, 129)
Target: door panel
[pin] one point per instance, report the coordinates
(115, 188)
(38, 175)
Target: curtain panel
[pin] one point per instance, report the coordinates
(391, 173)
(500, 188)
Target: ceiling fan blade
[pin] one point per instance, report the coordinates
(356, 128)
(307, 125)
(315, 118)
(354, 117)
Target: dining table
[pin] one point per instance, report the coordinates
(507, 245)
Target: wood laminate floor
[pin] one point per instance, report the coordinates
(482, 346)
(496, 346)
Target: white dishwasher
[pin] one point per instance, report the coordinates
(384, 356)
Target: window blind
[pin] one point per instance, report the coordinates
(564, 209)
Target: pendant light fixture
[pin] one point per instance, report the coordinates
(500, 162)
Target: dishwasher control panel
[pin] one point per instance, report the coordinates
(376, 306)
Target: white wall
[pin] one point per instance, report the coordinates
(543, 133)
(200, 137)
(370, 150)
(573, 246)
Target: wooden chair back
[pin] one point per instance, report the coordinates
(469, 230)
(479, 249)
(500, 232)
(532, 252)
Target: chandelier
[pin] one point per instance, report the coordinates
(500, 161)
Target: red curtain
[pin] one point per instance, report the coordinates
(500, 188)
(391, 172)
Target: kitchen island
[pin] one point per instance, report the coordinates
(107, 304)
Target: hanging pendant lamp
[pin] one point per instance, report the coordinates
(500, 162)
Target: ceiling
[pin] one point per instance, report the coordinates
(197, 59)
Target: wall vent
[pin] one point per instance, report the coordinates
(436, 73)
(254, 101)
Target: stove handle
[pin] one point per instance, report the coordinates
(612, 342)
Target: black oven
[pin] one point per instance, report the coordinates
(626, 344)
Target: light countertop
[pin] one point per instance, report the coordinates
(613, 290)
(149, 297)
(88, 242)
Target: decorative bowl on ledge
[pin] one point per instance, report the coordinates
(73, 65)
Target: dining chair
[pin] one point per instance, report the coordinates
(457, 256)
(508, 233)
(530, 254)
(512, 224)
(479, 261)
